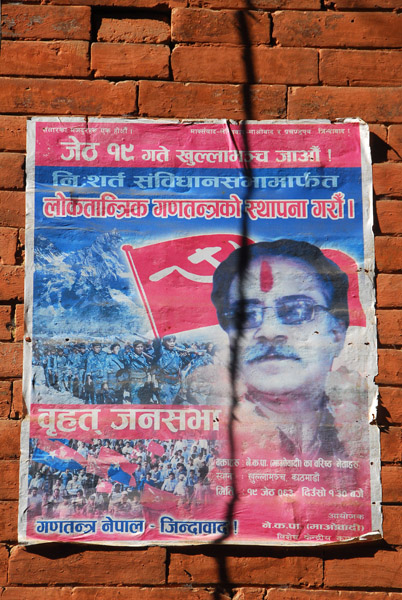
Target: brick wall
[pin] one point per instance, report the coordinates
(261, 59)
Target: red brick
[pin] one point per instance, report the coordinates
(389, 215)
(5, 399)
(392, 525)
(340, 30)
(8, 245)
(361, 67)
(391, 444)
(388, 253)
(11, 283)
(8, 521)
(258, 4)
(142, 61)
(387, 179)
(224, 26)
(10, 360)
(5, 323)
(3, 564)
(18, 408)
(382, 570)
(89, 567)
(62, 59)
(11, 170)
(389, 366)
(19, 323)
(9, 479)
(13, 132)
(49, 96)
(348, 4)
(130, 593)
(135, 31)
(371, 104)
(389, 324)
(12, 209)
(222, 64)
(251, 594)
(391, 404)
(46, 22)
(288, 594)
(391, 480)
(389, 291)
(201, 100)
(200, 568)
(9, 439)
(395, 142)
(38, 593)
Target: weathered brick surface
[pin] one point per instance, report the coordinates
(395, 142)
(389, 291)
(361, 67)
(392, 525)
(5, 399)
(62, 58)
(141, 61)
(141, 593)
(12, 132)
(5, 323)
(9, 439)
(11, 283)
(389, 366)
(370, 104)
(211, 26)
(201, 568)
(11, 170)
(391, 444)
(387, 179)
(270, 65)
(391, 405)
(9, 479)
(47, 96)
(135, 31)
(10, 360)
(340, 30)
(200, 100)
(18, 408)
(349, 4)
(45, 22)
(390, 327)
(12, 209)
(377, 571)
(389, 215)
(289, 594)
(39, 593)
(8, 521)
(8, 245)
(391, 479)
(19, 323)
(88, 567)
(388, 254)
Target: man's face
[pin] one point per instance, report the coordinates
(139, 349)
(169, 343)
(97, 348)
(288, 342)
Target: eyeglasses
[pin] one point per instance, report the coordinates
(289, 310)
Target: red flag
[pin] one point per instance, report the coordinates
(156, 449)
(109, 457)
(104, 487)
(155, 499)
(178, 274)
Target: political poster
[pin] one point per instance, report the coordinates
(200, 345)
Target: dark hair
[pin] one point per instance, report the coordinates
(333, 278)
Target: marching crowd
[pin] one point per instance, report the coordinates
(92, 490)
(142, 372)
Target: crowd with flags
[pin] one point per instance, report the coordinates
(118, 477)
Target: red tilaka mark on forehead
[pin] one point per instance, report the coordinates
(266, 277)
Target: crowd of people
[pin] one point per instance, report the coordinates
(141, 372)
(182, 471)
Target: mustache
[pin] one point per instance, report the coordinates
(265, 350)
